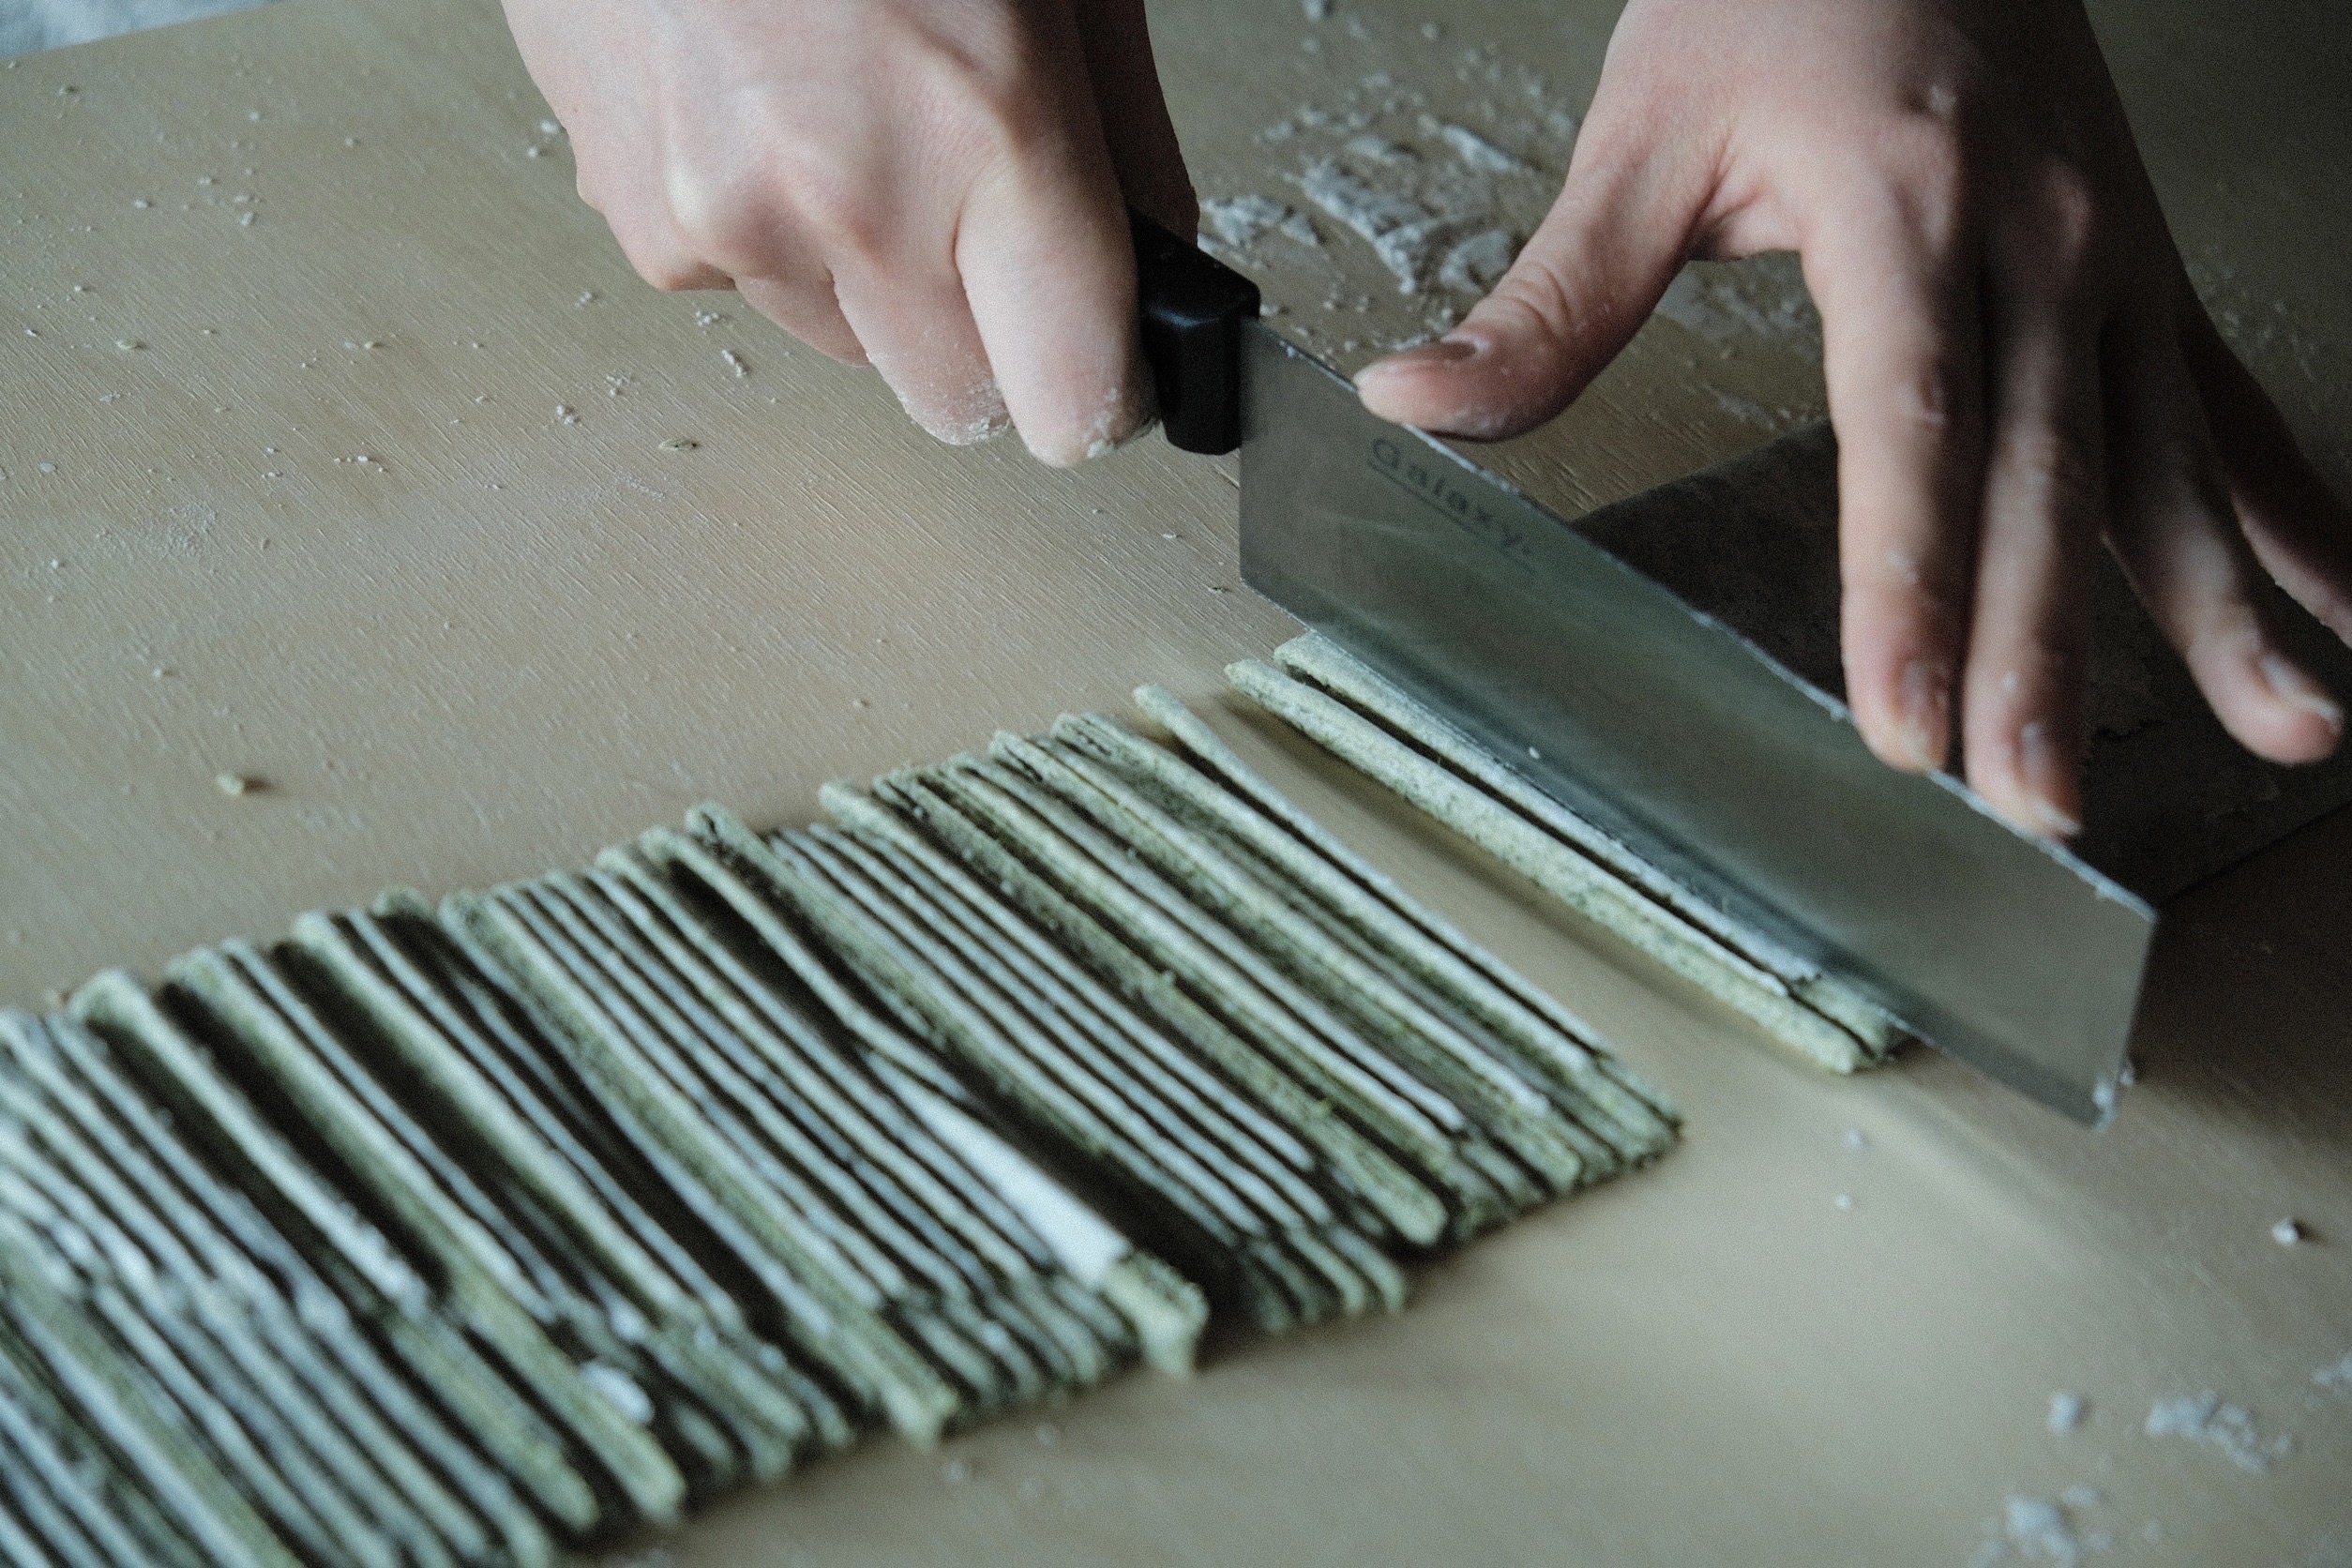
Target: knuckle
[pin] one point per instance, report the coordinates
(660, 255)
(2068, 211)
(2058, 473)
(840, 207)
(1931, 181)
(1921, 402)
(669, 274)
(714, 215)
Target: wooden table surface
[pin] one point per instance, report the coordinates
(331, 455)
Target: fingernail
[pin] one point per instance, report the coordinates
(1125, 412)
(1449, 350)
(1925, 725)
(2298, 690)
(2040, 769)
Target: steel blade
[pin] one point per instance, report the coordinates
(1705, 754)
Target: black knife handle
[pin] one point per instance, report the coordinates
(1192, 308)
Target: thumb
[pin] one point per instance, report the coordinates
(1578, 291)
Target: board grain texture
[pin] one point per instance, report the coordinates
(340, 451)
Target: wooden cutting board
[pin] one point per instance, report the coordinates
(334, 457)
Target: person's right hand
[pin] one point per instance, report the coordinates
(930, 187)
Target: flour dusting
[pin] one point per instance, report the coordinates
(2204, 1418)
(2043, 1529)
(1429, 174)
(1763, 297)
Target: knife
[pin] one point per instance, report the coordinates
(1608, 661)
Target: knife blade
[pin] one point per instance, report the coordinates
(1561, 647)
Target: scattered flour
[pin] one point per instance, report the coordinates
(2036, 1528)
(1240, 220)
(2336, 1375)
(1477, 264)
(2204, 1418)
(1399, 229)
(2067, 1411)
(1762, 298)
(1439, 166)
(2288, 1232)
(1380, 150)
(2039, 1529)
(1479, 153)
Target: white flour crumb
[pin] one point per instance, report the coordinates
(1763, 297)
(2203, 1418)
(2081, 1497)
(1479, 153)
(235, 784)
(2067, 1411)
(735, 362)
(1048, 1435)
(1240, 220)
(1316, 10)
(2336, 1375)
(1844, 1201)
(955, 1471)
(1381, 150)
(2288, 1232)
(2036, 1528)
(1857, 1140)
(1478, 263)
(1400, 230)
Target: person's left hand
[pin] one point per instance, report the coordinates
(2016, 362)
